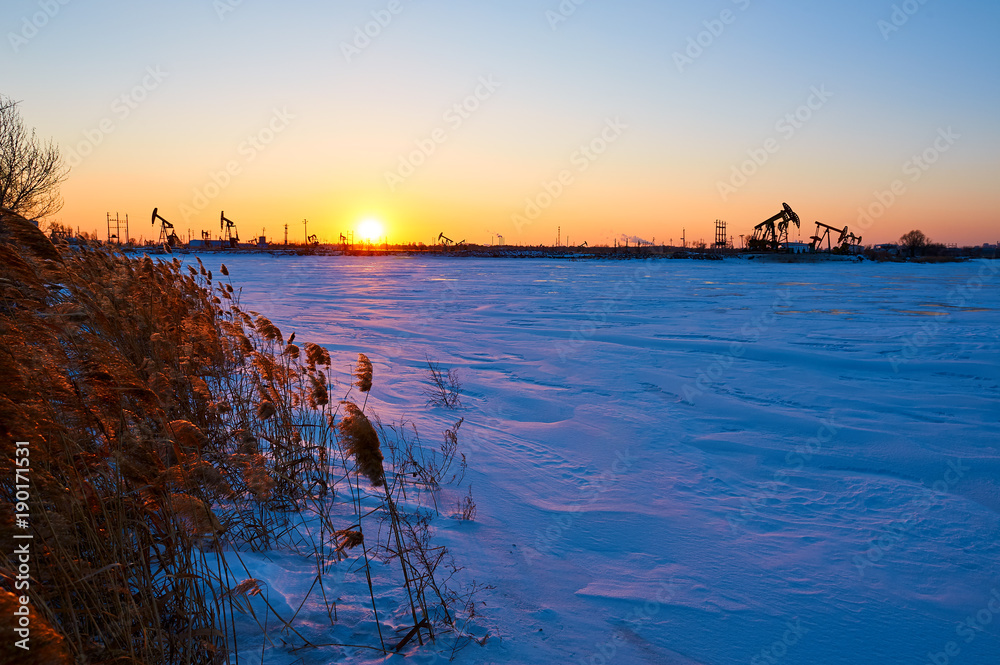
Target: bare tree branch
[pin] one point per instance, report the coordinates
(30, 170)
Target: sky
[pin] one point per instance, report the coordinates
(579, 120)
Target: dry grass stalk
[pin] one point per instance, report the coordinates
(242, 593)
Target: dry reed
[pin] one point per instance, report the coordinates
(165, 421)
(361, 442)
(363, 373)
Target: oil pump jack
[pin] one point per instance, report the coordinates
(445, 240)
(347, 242)
(773, 231)
(231, 236)
(169, 239)
(844, 240)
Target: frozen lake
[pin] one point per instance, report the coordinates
(695, 462)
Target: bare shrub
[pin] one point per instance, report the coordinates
(467, 507)
(445, 389)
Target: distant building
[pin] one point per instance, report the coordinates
(796, 247)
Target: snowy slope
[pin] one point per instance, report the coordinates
(685, 462)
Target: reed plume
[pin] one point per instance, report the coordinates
(187, 435)
(47, 647)
(257, 479)
(267, 330)
(318, 395)
(361, 441)
(348, 539)
(265, 409)
(363, 373)
(195, 514)
(316, 355)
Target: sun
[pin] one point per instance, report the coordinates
(370, 229)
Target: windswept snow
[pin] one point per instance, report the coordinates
(684, 462)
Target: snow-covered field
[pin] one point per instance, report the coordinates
(694, 462)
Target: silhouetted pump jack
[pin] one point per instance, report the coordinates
(231, 236)
(773, 231)
(843, 242)
(170, 239)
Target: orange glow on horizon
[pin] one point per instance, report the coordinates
(598, 210)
